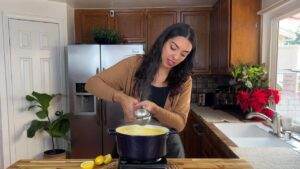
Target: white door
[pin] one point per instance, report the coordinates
(35, 65)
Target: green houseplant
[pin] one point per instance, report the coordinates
(252, 91)
(57, 127)
(248, 77)
(106, 36)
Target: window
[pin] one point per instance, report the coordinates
(281, 53)
(288, 66)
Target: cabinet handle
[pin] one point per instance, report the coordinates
(97, 70)
(197, 128)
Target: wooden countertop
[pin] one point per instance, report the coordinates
(187, 163)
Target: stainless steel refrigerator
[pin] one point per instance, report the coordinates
(91, 117)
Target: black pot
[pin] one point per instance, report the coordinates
(141, 148)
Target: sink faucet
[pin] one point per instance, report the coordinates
(274, 123)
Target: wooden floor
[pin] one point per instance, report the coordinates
(172, 164)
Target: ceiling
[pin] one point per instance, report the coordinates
(136, 3)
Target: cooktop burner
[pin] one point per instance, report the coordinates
(157, 164)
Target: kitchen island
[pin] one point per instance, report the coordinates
(187, 163)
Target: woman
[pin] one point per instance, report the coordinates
(159, 82)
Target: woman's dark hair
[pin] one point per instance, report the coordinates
(152, 60)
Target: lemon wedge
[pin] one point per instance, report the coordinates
(107, 159)
(87, 165)
(99, 160)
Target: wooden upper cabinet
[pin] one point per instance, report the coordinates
(158, 21)
(86, 20)
(245, 31)
(224, 36)
(214, 42)
(145, 25)
(234, 34)
(220, 37)
(199, 21)
(131, 24)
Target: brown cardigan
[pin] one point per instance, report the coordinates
(119, 78)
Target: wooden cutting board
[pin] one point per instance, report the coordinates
(186, 163)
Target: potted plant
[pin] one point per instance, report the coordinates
(106, 36)
(57, 127)
(252, 91)
(248, 77)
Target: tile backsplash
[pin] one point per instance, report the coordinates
(207, 84)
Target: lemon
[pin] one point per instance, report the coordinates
(87, 165)
(99, 160)
(107, 159)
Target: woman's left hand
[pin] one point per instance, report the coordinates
(148, 105)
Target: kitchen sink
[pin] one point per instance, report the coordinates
(242, 130)
(259, 142)
(250, 135)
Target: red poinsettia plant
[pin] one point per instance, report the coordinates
(257, 100)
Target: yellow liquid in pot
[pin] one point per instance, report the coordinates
(139, 130)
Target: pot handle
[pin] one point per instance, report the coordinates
(111, 132)
(172, 131)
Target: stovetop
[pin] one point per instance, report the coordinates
(158, 164)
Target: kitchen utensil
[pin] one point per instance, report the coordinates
(142, 116)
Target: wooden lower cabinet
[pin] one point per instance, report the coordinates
(89, 136)
(200, 142)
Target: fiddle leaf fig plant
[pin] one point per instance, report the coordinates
(57, 127)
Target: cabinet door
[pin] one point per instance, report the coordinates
(214, 42)
(112, 117)
(86, 20)
(86, 135)
(224, 37)
(199, 21)
(245, 34)
(192, 138)
(131, 24)
(197, 144)
(81, 129)
(158, 21)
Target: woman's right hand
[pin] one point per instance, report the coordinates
(128, 104)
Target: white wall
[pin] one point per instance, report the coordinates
(32, 8)
(2, 93)
(1, 150)
(41, 8)
(71, 25)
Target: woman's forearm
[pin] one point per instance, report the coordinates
(170, 119)
(99, 88)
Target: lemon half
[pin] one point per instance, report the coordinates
(99, 160)
(107, 159)
(87, 165)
